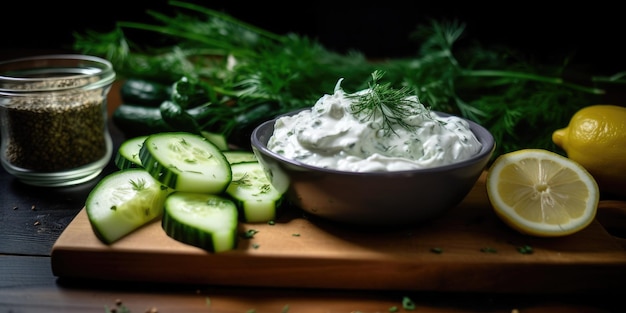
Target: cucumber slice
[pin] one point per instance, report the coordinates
(206, 221)
(186, 162)
(238, 156)
(256, 199)
(128, 153)
(217, 139)
(123, 201)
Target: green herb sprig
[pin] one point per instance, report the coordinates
(393, 105)
(138, 185)
(250, 74)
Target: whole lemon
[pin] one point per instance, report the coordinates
(596, 139)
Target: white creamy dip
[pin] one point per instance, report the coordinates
(330, 135)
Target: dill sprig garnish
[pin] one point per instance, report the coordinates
(138, 184)
(244, 180)
(393, 105)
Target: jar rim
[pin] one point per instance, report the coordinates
(40, 72)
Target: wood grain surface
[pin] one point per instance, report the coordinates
(478, 253)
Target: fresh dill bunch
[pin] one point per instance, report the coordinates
(393, 105)
(252, 75)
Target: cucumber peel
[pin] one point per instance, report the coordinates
(238, 156)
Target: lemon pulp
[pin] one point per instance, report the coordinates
(541, 193)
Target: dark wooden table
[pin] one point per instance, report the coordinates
(32, 218)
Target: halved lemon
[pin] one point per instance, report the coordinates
(541, 193)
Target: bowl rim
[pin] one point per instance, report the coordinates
(487, 140)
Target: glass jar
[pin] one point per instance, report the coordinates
(53, 118)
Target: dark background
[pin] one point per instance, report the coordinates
(590, 35)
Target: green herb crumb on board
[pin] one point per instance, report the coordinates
(241, 75)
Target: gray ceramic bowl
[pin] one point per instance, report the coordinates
(381, 198)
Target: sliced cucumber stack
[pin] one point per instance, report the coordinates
(123, 201)
(256, 199)
(186, 162)
(200, 191)
(206, 221)
(128, 153)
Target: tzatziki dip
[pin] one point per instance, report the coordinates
(353, 132)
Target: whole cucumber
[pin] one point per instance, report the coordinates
(143, 92)
(134, 120)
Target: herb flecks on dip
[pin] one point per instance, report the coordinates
(372, 130)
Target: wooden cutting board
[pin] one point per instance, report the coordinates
(477, 253)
